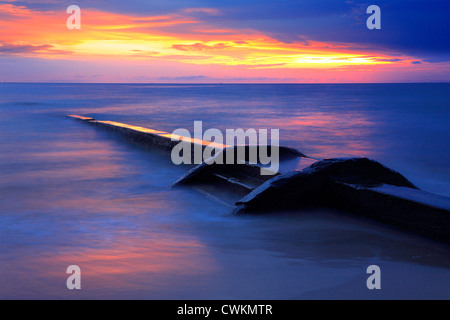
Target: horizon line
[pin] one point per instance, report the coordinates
(220, 83)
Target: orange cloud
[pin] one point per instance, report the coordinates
(175, 38)
(200, 47)
(13, 10)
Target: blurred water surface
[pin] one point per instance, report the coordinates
(71, 194)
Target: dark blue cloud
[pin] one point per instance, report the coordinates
(418, 28)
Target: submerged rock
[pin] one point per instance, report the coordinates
(356, 185)
(318, 184)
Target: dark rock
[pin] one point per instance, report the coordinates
(354, 185)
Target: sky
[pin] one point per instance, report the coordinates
(227, 41)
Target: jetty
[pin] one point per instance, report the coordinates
(358, 186)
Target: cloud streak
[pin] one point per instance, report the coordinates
(18, 49)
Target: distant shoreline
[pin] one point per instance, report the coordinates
(227, 83)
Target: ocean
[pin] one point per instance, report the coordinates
(74, 195)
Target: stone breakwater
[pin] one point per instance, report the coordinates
(356, 185)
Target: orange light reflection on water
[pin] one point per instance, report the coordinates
(330, 134)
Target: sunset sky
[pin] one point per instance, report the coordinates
(164, 41)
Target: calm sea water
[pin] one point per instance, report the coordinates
(70, 194)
